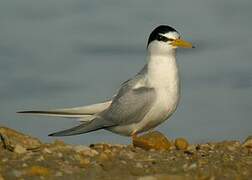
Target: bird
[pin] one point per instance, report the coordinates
(142, 102)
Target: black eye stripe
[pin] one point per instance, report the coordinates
(163, 38)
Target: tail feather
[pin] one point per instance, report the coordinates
(56, 113)
(96, 124)
(76, 112)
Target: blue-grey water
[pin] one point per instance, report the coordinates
(59, 53)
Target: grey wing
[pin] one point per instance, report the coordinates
(131, 104)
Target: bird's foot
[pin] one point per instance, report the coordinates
(151, 140)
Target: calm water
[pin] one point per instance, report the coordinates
(59, 53)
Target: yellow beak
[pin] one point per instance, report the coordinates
(181, 43)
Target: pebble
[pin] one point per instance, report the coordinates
(59, 142)
(41, 158)
(4, 159)
(107, 151)
(17, 173)
(123, 162)
(119, 146)
(185, 166)
(13, 138)
(80, 148)
(84, 162)
(90, 153)
(192, 148)
(248, 143)
(58, 174)
(85, 150)
(60, 155)
(181, 144)
(207, 146)
(103, 157)
(163, 177)
(192, 166)
(101, 146)
(46, 150)
(1, 177)
(231, 145)
(19, 149)
(37, 171)
(139, 165)
(152, 140)
(130, 155)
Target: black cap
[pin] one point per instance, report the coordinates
(162, 29)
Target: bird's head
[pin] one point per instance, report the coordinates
(165, 39)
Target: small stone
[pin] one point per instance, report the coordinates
(41, 158)
(181, 144)
(107, 151)
(37, 171)
(230, 145)
(163, 177)
(248, 143)
(100, 146)
(119, 146)
(139, 165)
(152, 140)
(1, 177)
(192, 166)
(19, 149)
(4, 159)
(59, 142)
(85, 162)
(46, 150)
(60, 155)
(185, 166)
(103, 157)
(207, 146)
(90, 153)
(86, 151)
(80, 148)
(58, 174)
(12, 138)
(192, 148)
(123, 162)
(130, 155)
(17, 173)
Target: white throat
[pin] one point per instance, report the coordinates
(163, 71)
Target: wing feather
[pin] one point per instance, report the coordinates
(132, 102)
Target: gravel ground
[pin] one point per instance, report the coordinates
(25, 157)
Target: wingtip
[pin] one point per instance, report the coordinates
(55, 134)
(25, 112)
(21, 112)
(58, 134)
(52, 134)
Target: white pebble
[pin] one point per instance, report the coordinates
(19, 149)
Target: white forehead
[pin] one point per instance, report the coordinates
(171, 35)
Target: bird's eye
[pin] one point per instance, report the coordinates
(163, 38)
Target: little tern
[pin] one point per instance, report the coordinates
(142, 102)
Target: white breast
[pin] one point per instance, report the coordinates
(164, 78)
(162, 75)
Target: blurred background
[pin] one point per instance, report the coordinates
(60, 53)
